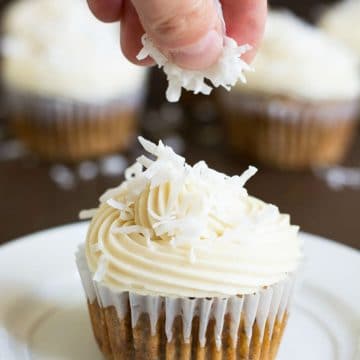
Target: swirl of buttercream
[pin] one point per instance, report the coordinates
(194, 233)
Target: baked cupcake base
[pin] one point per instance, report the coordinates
(131, 326)
(117, 340)
(289, 134)
(70, 131)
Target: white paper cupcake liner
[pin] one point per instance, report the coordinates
(264, 307)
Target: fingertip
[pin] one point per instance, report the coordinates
(245, 22)
(130, 51)
(130, 36)
(200, 55)
(178, 28)
(106, 10)
(250, 55)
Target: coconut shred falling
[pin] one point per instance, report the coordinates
(225, 72)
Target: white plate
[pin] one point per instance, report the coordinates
(43, 315)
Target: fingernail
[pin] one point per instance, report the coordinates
(201, 54)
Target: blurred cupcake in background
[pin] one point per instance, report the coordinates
(71, 94)
(299, 107)
(341, 22)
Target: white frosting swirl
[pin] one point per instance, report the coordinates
(296, 59)
(341, 20)
(58, 48)
(176, 230)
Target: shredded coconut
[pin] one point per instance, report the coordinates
(226, 72)
(12, 150)
(194, 195)
(144, 161)
(127, 214)
(88, 170)
(101, 269)
(116, 204)
(339, 177)
(63, 176)
(245, 176)
(192, 256)
(165, 199)
(129, 229)
(95, 247)
(149, 244)
(133, 171)
(87, 214)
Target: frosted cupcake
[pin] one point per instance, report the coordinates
(180, 262)
(340, 21)
(299, 106)
(70, 91)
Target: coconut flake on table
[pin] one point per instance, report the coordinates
(88, 170)
(340, 177)
(63, 176)
(225, 72)
(12, 150)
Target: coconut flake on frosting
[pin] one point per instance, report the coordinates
(116, 204)
(87, 214)
(172, 228)
(198, 187)
(101, 269)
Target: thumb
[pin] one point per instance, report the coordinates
(188, 32)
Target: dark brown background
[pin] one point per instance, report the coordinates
(30, 201)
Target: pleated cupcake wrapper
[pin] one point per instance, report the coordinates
(263, 307)
(288, 134)
(61, 129)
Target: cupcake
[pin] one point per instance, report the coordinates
(340, 21)
(71, 94)
(299, 107)
(181, 263)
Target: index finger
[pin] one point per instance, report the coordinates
(245, 22)
(106, 10)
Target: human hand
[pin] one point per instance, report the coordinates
(188, 32)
